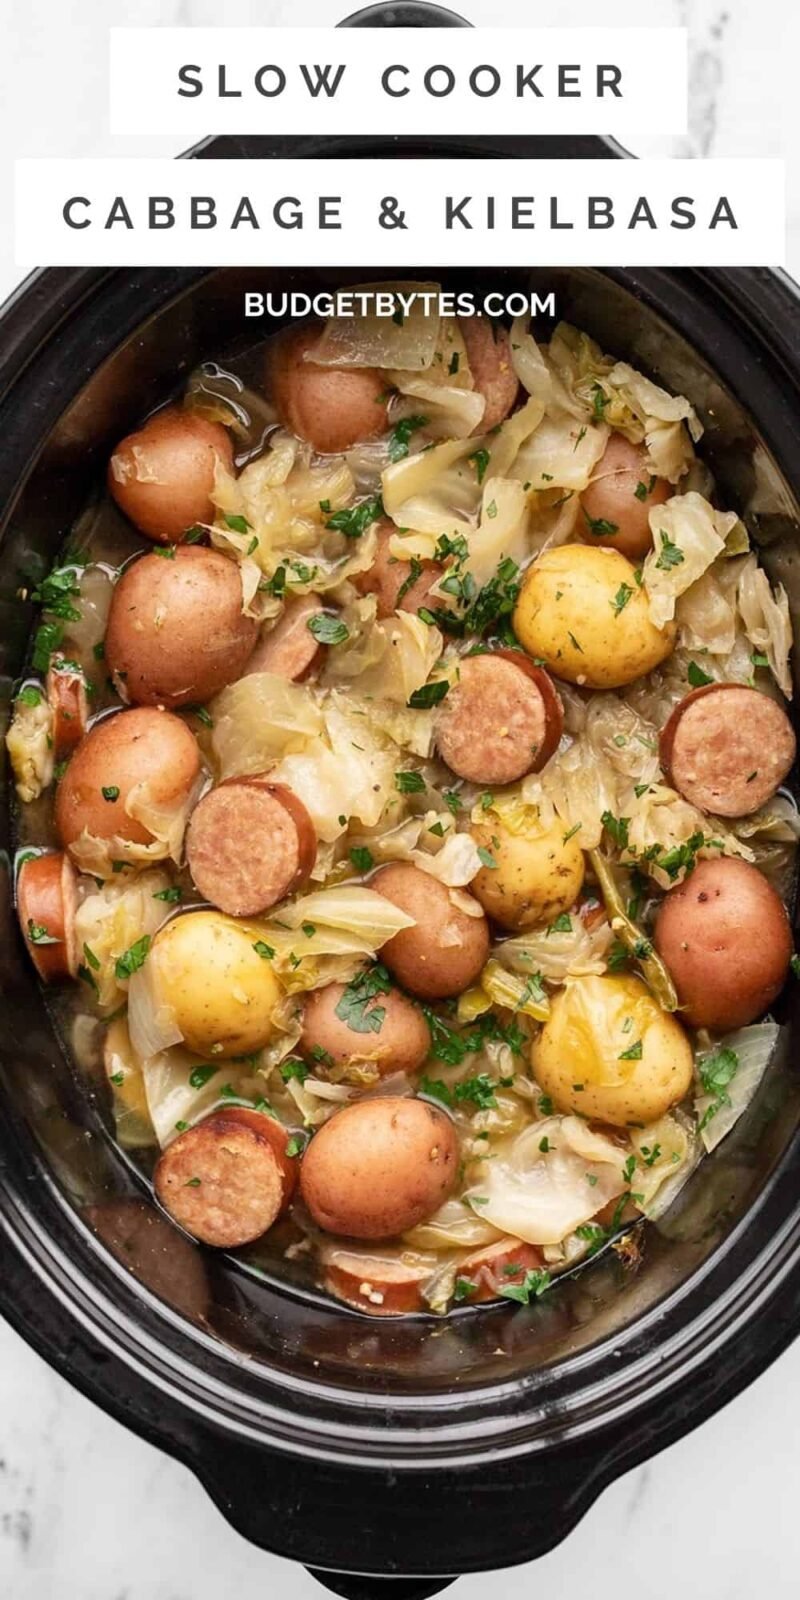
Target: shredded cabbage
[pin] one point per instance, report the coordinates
(548, 1180)
(688, 535)
(110, 920)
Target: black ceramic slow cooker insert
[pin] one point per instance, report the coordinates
(390, 1447)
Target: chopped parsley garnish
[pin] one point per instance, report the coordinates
(480, 460)
(462, 1290)
(237, 524)
(46, 639)
(535, 1282)
(54, 593)
(429, 695)
(562, 924)
(295, 1145)
(633, 1053)
(355, 1007)
(671, 554)
(400, 436)
(38, 934)
(265, 951)
(642, 490)
(200, 1076)
(361, 857)
(716, 1072)
(616, 828)
(697, 677)
(409, 783)
(110, 792)
(91, 958)
(294, 1068)
(327, 629)
(133, 958)
(29, 696)
(486, 858)
(414, 572)
(600, 526)
(491, 510)
(172, 896)
(759, 660)
(354, 520)
(201, 714)
(452, 1047)
(621, 598)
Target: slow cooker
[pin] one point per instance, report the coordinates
(397, 1448)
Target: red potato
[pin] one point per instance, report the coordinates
(67, 699)
(46, 906)
(227, 1179)
(382, 1286)
(622, 493)
(725, 937)
(489, 356)
(446, 949)
(501, 720)
(162, 476)
(727, 748)
(176, 632)
(331, 407)
(379, 1167)
(401, 1044)
(288, 649)
(497, 1266)
(387, 577)
(249, 843)
(119, 753)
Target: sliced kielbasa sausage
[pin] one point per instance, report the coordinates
(727, 748)
(66, 696)
(46, 905)
(501, 720)
(488, 348)
(382, 1286)
(397, 585)
(289, 649)
(494, 1267)
(249, 843)
(228, 1178)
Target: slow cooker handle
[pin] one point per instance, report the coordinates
(351, 1586)
(408, 14)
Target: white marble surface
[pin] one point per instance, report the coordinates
(87, 1512)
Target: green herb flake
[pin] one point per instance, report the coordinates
(200, 1076)
(132, 959)
(633, 1053)
(697, 677)
(400, 436)
(480, 460)
(354, 520)
(265, 951)
(535, 1283)
(172, 896)
(430, 694)
(361, 857)
(237, 524)
(327, 629)
(110, 792)
(355, 1007)
(670, 554)
(409, 783)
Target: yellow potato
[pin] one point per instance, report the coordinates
(608, 1051)
(537, 872)
(582, 613)
(223, 993)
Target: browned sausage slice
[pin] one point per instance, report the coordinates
(228, 1178)
(727, 748)
(66, 696)
(489, 355)
(497, 1266)
(249, 843)
(502, 719)
(381, 1286)
(46, 905)
(394, 582)
(289, 650)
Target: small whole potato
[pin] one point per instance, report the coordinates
(582, 612)
(330, 407)
(488, 346)
(618, 501)
(176, 631)
(140, 750)
(208, 971)
(609, 1052)
(537, 873)
(337, 1049)
(379, 1167)
(162, 475)
(726, 939)
(447, 947)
